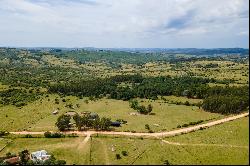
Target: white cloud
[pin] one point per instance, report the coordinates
(77, 22)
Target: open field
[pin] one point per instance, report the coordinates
(69, 149)
(37, 116)
(222, 144)
(231, 133)
(34, 83)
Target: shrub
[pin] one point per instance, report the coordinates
(118, 156)
(185, 125)
(3, 133)
(151, 131)
(147, 127)
(124, 153)
(53, 135)
(28, 136)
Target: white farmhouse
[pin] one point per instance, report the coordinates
(39, 156)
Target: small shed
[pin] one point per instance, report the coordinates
(116, 124)
(70, 113)
(55, 112)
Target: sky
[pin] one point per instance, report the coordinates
(125, 23)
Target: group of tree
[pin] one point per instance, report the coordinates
(86, 122)
(142, 87)
(141, 108)
(17, 97)
(83, 122)
(227, 100)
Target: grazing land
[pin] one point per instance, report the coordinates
(78, 90)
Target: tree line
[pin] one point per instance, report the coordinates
(219, 99)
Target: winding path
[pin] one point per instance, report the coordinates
(157, 135)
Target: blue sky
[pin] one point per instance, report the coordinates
(125, 23)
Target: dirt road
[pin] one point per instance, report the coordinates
(157, 135)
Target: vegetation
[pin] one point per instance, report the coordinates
(63, 122)
(141, 109)
(53, 135)
(24, 159)
(87, 121)
(40, 88)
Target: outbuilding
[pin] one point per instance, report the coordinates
(116, 124)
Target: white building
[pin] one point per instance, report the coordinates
(39, 156)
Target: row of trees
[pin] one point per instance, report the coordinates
(83, 122)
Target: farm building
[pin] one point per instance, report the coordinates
(12, 160)
(70, 113)
(55, 112)
(116, 124)
(39, 155)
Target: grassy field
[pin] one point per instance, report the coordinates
(148, 151)
(231, 133)
(103, 149)
(225, 70)
(69, 149)
(37, 116)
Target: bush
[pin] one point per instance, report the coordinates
(3, 133)
(185, 125)
(147, 127)
(72, 135)
(187, 103)
(47, 134)
(53, 135)
(122, 121)
(124, 153)
(118, 156)
(151, 131)
(28, 136)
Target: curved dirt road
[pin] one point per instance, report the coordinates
(158, 135)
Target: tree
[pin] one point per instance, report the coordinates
(24, 157)
(105, 123)
(124, 153)
(47, 134)
(150, 108)
(79, 121)
(133, 104)
(118, 156)
(63, 122)
(147, 127)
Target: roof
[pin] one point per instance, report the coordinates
(71, 113)
(93, 115)
(12, 160)
(115, 124)
(40, 155)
